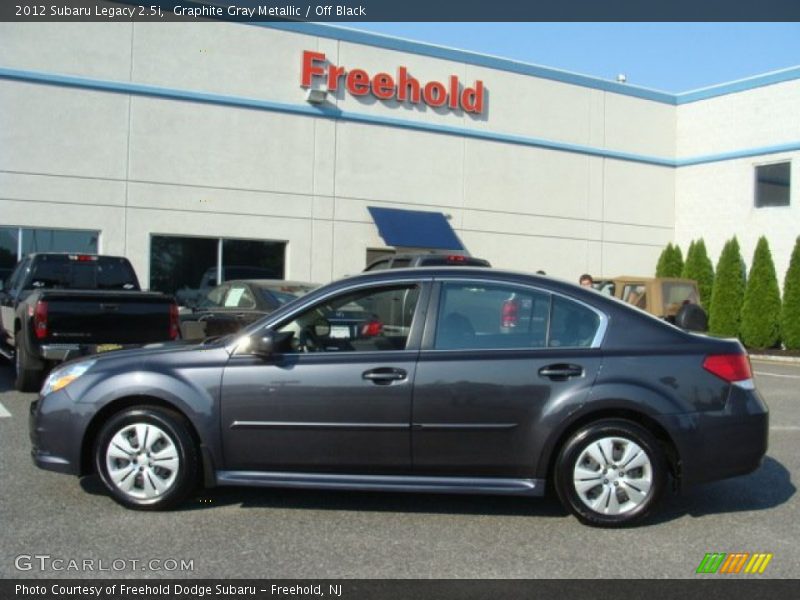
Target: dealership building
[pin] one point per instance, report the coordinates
(301, 151)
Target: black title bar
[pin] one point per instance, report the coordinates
(705, 587)
(405, 10)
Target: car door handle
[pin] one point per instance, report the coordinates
(561, 371)
(384, 375)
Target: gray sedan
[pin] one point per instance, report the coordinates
(438, 386)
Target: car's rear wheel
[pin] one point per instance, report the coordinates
(146, 458)
(611, 473)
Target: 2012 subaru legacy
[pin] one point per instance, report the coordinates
(436, 386)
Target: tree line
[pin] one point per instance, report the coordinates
(742, 304)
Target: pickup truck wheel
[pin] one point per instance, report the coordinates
(611, 473)
(146, 458)
(29, 374)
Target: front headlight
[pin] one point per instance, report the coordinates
(63, 376)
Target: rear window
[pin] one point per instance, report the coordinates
(678, 293)
(82, 273)
(285, 293)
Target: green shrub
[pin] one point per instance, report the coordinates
(699, 267)
(790, 315)
(728, 292)
(670, 262)
(663, 259)
(676, 263)
(761, 310)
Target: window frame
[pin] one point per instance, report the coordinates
(756, 167)
(281, 318)
(432, 320)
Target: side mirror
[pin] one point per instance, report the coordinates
(264, 345)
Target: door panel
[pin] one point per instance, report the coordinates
(336, 397)
(499, 363)
(317, 413)
(479, 413)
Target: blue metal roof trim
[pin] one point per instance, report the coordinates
(414, 228)
(332, 112)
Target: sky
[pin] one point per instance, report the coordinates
(671, 57)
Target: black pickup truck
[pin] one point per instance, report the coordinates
(58, 306)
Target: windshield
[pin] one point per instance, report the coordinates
(83, 273)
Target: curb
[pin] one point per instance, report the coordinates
(792, 360)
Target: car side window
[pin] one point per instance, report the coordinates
(491, 316)
(215, 297)
(572, 325)
(636, 294)
(367, 320)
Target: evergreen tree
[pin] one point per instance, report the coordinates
(689, 253)
(670, 262)
(790, 315)
(663, 261)
(676, 262)
(761, 310)
(728, 292)
(699, 267)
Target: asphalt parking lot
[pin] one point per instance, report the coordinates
(237, 532)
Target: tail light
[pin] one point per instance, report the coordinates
(174, 321)
(510, 313)
(371, 328)
(732, 368)
(40, 320)
(83, 257)
(456, 258)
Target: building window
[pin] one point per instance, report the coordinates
(189, 267)
(773, 184)
(17, 242)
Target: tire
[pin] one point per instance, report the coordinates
(147, 458)
(620, 496)
(29, 370)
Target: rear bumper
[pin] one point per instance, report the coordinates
(59, 352)
(720, 444)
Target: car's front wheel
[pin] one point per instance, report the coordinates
(611, 473)
(146, 458)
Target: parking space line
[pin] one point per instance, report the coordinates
(777, 375)
(785, 428)
(3, 412)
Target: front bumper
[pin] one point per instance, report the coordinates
(56, 425)
(716, 445)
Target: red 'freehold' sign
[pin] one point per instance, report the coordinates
(403, 88)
